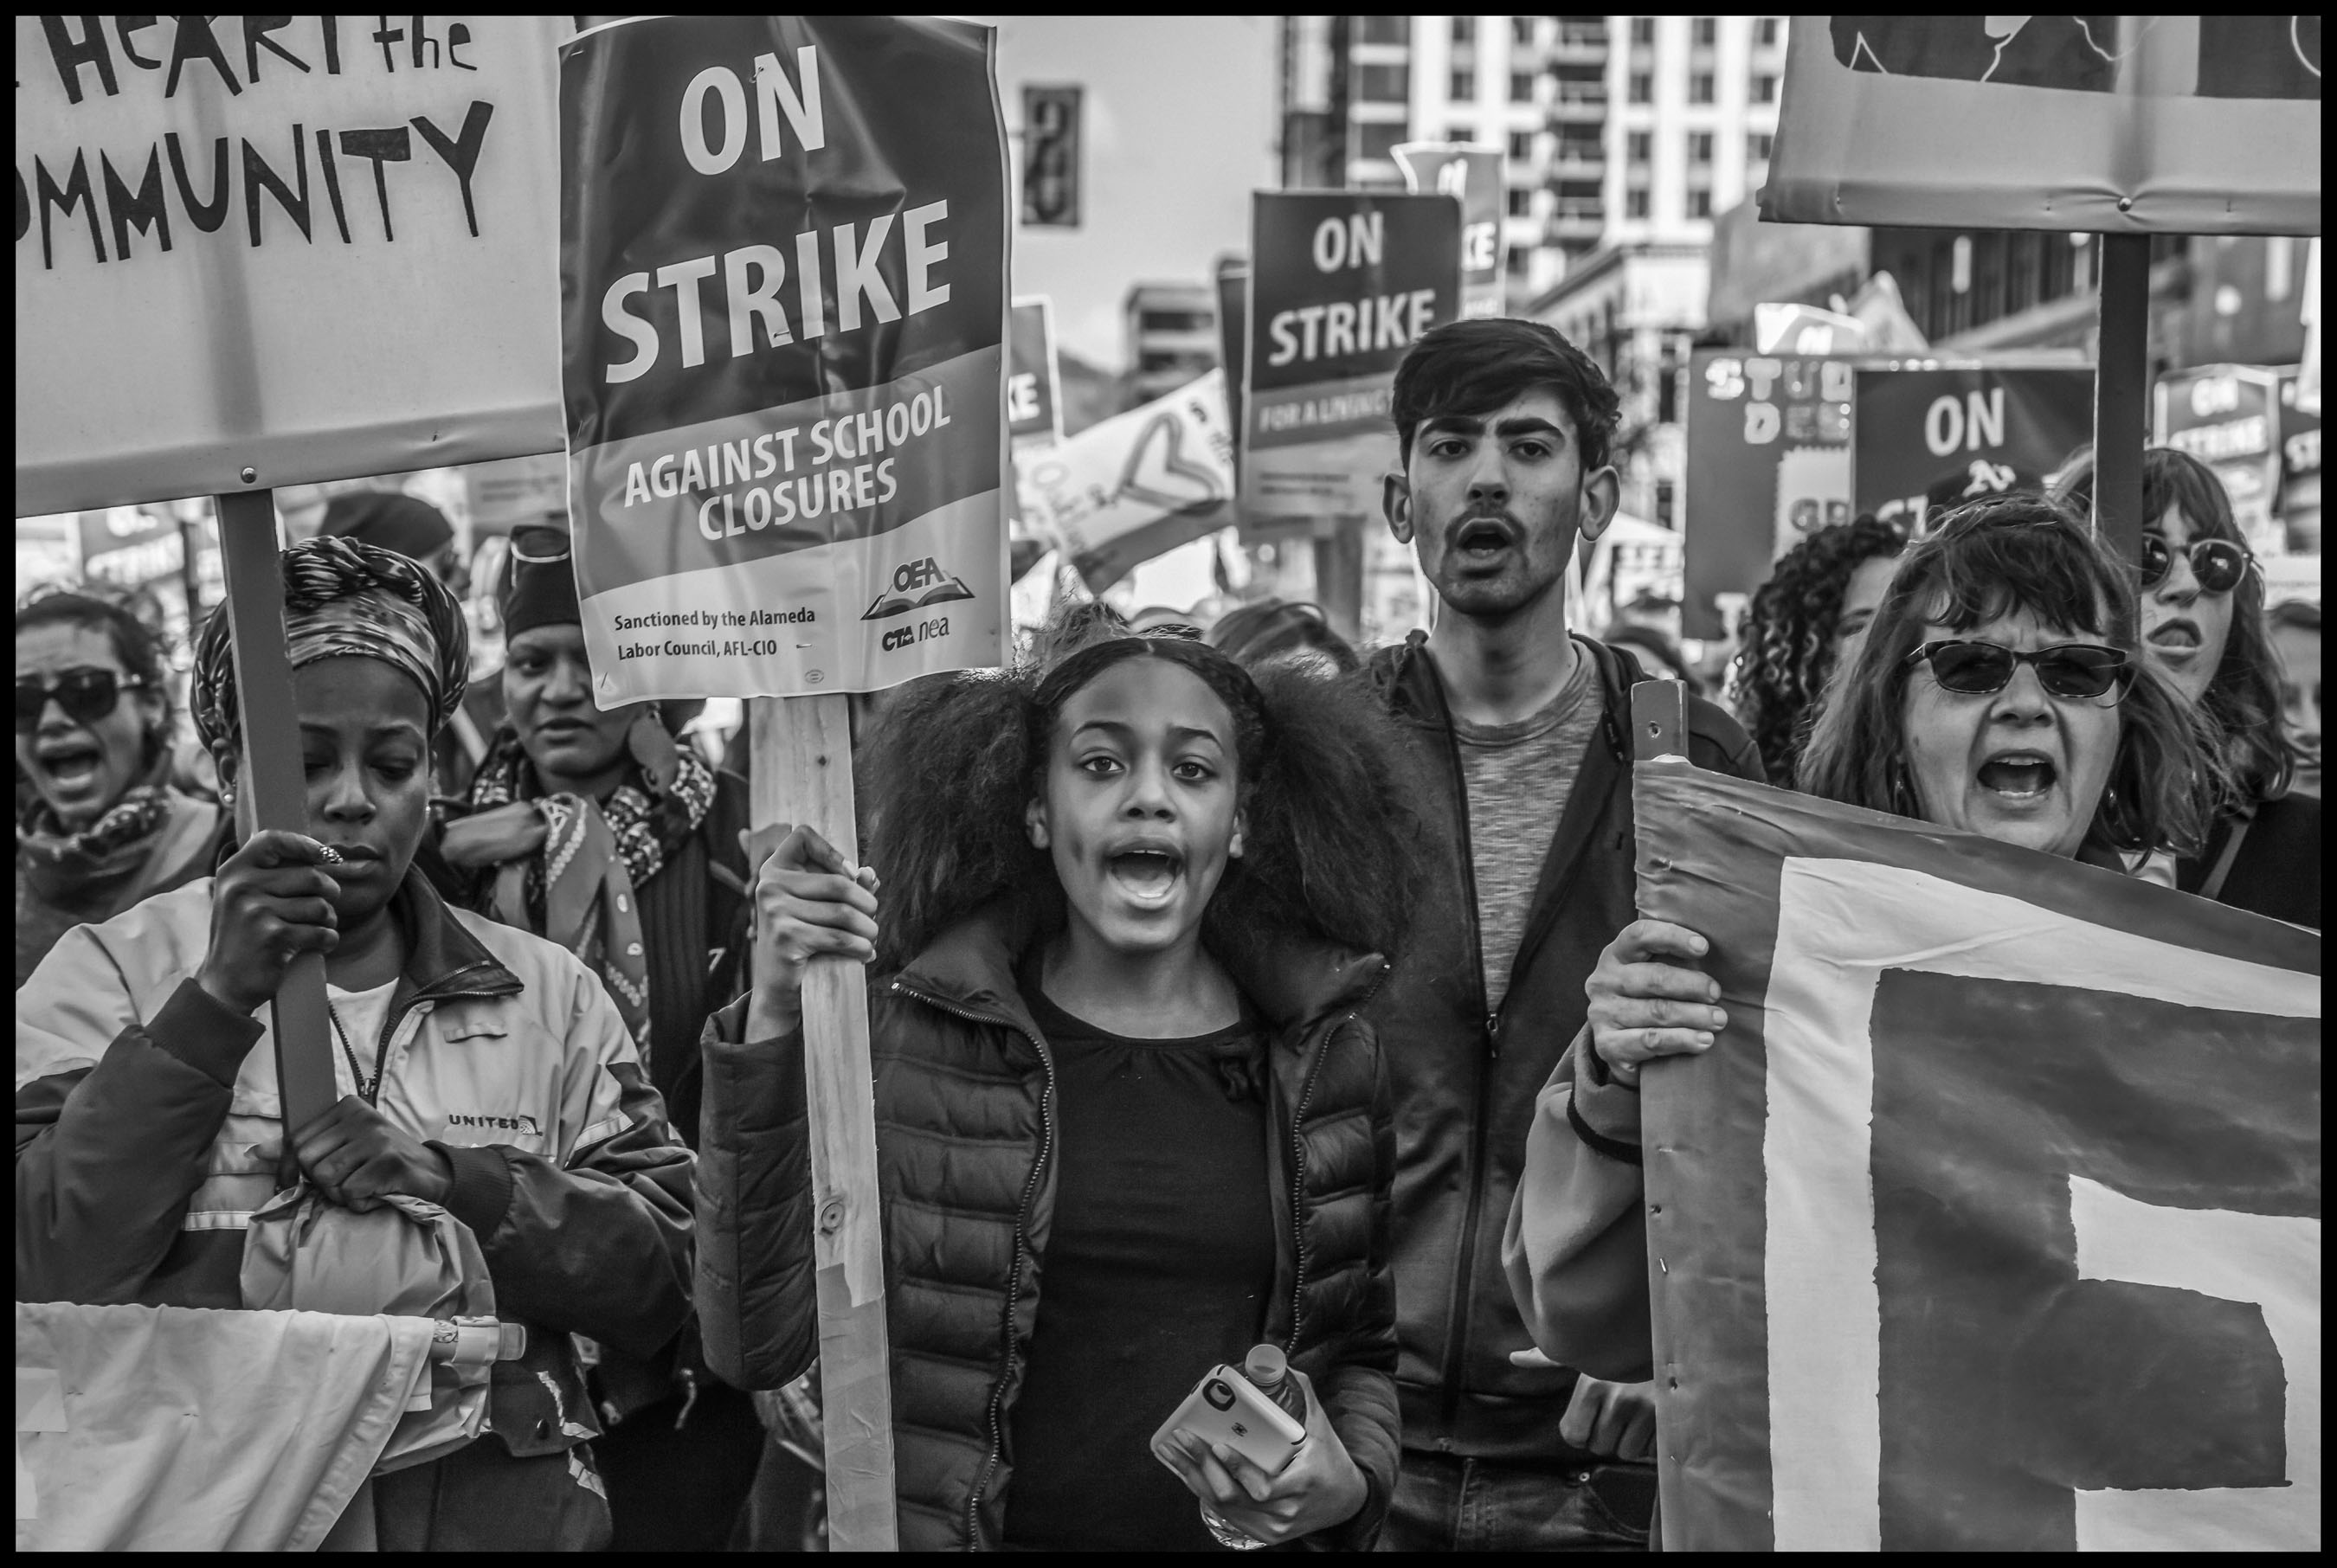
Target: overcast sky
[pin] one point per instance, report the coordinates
(1179, 129)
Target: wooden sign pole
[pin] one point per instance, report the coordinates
(2121, 387)
(803, 774)
(271, 791)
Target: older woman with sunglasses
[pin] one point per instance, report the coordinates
(2203, 624)
(98, 825)
(2000, 691)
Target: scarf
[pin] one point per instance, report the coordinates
(69, 868)
(595, 857)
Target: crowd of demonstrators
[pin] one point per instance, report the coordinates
(2002, 690)
(1130, 1120)
(1516, 728)
(591, 827)
(100, 824)
(2294, 628)
(147, 1132)
(2203, 624)
(1803, 622)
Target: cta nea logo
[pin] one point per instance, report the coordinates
(917, 585)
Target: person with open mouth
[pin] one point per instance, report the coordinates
(2203, 624)
(2000, 691)
(1129, 1121)
(103, 827)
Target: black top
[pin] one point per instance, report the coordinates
(2277, 869)
(1158, 1268)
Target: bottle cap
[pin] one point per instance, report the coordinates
(1264, 1366)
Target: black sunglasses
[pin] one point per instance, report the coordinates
(2069, 669)
(85, 695)
(2217, 563)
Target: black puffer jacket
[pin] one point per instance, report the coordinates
(966, 1121)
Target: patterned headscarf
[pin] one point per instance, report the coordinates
(346, 598)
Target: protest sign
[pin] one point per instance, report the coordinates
(1769, 463)
(1340, 283)
(1929, 435)
(1473, 173)
(2104, 124)
(268, 250)
(1034, 403)
(783, 264)
(1137, 484)
(1993, 1220)
(2232, 418)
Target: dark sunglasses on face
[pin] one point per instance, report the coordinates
(2218, 564)
(2069, 669)
(85, 695)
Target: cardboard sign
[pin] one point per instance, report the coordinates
(2100, 125)
(1034, 402)
(1473, 173)
(1928, 437)
(1141, 482)
(1341, 283)
(783, 266)
(310, 247)
(1769, 463)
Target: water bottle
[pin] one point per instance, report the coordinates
(1269, 1370)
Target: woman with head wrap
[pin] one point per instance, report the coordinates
(100, 826)
(590, 826)
(482, 1069)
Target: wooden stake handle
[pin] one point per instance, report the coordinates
(803, 774)
(271, 791)
(1658, 720)
(2121, 388)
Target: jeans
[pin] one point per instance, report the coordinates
(1445, 1503)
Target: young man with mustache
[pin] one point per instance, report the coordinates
(1519, 726)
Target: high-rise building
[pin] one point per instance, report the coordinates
(1172, 336)
(1618, 128)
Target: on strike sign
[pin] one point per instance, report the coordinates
(1341, 283)
(783, 308)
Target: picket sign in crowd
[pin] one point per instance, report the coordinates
(1225, 989)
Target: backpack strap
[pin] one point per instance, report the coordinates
(2214, 885)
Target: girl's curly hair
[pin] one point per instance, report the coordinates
(2242, 702)
(1786, 653)
(1328, 840)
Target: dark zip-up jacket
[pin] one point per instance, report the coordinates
(965, 1132)
(1464, 1076)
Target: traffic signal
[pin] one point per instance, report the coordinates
(1051, 157)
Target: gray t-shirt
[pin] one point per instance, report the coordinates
(1517, 777)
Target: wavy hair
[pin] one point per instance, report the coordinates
(1988, 560)
(1329, 835)
(1785, 650)
(2242, 702)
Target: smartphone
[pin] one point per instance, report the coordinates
(1226, 1408)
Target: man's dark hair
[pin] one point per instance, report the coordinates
(1465, 369)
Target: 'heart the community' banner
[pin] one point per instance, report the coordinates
(1993, 1218)
(783, 314)
(1144, 481)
